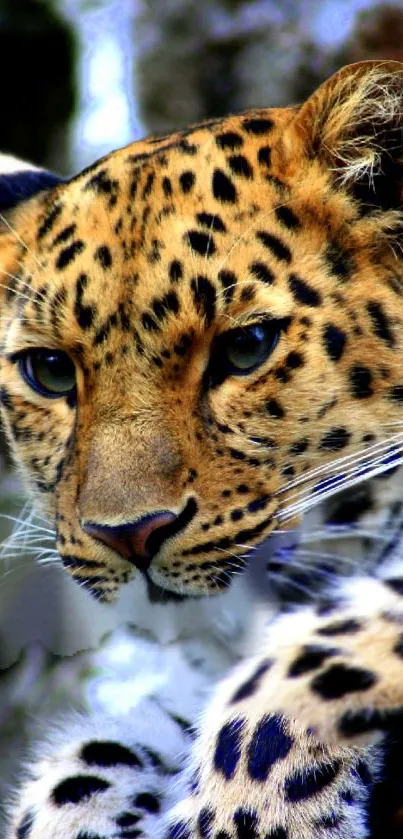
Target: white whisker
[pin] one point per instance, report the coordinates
(25, 523)
(247, 547)
(312, 501)
(319, 555)
(20, 240)
(340, 532)
(277, 576)
(351, 469)
(362, 454)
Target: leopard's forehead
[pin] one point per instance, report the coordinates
(169, 237)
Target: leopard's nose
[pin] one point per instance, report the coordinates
(137, 541)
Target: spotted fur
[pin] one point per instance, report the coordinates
(140, 269)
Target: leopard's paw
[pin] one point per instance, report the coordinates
(103, 789)
(339, 674)
(106, 785)
(271, 780)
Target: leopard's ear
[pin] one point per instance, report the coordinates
(353, 124)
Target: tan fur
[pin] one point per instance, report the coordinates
(321, 220)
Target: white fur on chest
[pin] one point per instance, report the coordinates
(175, 651)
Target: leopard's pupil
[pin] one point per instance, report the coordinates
(250, 345)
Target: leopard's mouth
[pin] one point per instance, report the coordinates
(159, 594)
(255, 564)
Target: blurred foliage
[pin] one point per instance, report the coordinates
(207, 59)
(203, 60)
(377, 34)
(37, 57)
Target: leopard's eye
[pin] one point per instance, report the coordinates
(247, 347)
(240, 351)
(50, 372)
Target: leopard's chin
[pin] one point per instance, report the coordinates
(161, 588)
(159, 594)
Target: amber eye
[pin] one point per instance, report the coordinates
(247, 347)
(50, 372)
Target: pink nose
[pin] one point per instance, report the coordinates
(136, 541)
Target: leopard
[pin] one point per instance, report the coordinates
(200, 344)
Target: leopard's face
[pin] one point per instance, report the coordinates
(198, 333)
